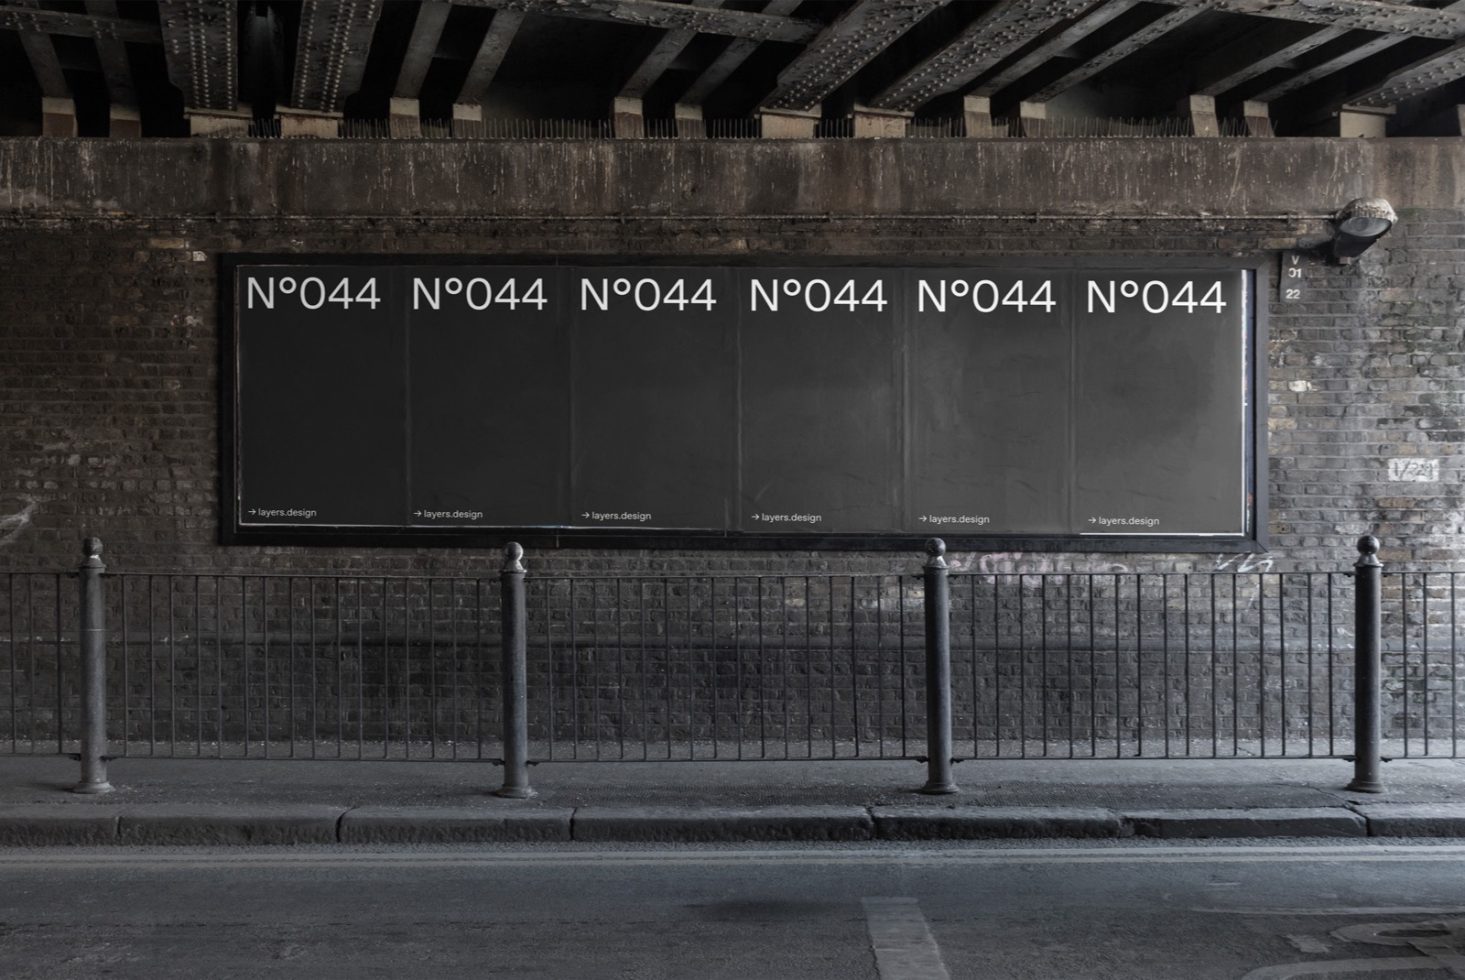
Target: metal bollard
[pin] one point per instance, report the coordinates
(1367, 668)
(938, 673)
(515, 678)
(93, 637)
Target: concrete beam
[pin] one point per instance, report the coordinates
(421, 46)
(330, 52)
(1355, 122)
(760, 182)
(731, 58)
(880, 123)
(303, 122)
(1257, 118)
(58, 115)
(689, 121)
(501, 31)
(781, 124)
(1200, 110)
(124, 122)
(843, 48)
(404, 118)
(201, 45)
(668, 16)
(976, 117)
(219, 122)
(1032, 119)
(1004, 29)
(626, 119)
(467, 120)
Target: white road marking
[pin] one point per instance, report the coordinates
(1333, 968)
(903, 944)
(945, 857)
(1342, 910)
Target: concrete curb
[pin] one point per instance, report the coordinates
(1250, 822)
(167, 823)
(976, 822)
(1413, 819)
(81, 823)
(774, 823)
(459, 825)
(59, 823)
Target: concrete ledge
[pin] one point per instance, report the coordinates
(1413, 819)
(973, 822)
(1256, 822)
(195, 824)
(788, 823)
(42, 824)
(453, 825)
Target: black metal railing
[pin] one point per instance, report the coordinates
(942, 665)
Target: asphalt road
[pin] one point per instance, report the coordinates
(850, 912)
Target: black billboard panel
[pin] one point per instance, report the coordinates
(438, 397)
(990, 401)
(489, 396)
(820, 391)
(1159, 446)
(319, 374)
(653, 397)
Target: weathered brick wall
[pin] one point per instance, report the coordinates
(109, 398)
(109, 354)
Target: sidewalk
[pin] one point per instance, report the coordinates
(287, 802)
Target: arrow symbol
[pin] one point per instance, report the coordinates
(923, 520)
(1091, 520)
(253, 510)
(586, 514)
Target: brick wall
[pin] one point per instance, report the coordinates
(108, 364)
(109, 354)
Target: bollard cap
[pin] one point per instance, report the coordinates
(513, 552)
(1368, 551)
(935, 552)
(91, 549)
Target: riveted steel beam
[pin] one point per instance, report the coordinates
(113, 55)
(1339, 62)
(1249, 58)
(667, 16)
(1114, 54)
(426, 30)
(1053, 46)
(501, 31)
(201, 45)
(1005, 28)
(1382, 16)
(731, 58)
(34, 20)
(47, 67)
(843, 48)
(659, 59)
(1414, 79)
(330, 56)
